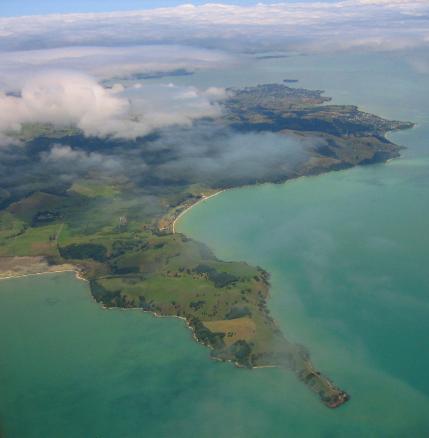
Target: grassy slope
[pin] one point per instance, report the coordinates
(133, 265)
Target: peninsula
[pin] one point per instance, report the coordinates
(117, 227)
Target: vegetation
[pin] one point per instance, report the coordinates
(220, 279)
(84, 251)
(117, 228)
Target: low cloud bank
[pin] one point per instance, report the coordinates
(207, 152)
(377, 24)
(74, 99)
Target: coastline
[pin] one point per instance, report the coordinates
(78, 274)
(58, 271)
(292, 178)
(204, 198)
(341, 397)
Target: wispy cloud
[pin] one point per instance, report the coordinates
(107, 62)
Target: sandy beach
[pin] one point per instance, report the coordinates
(204, 198)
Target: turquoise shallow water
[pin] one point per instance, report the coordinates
(70, 369)
(348, 252)
(348, 255)
(348, 281)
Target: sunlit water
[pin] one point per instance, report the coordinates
(348, 256)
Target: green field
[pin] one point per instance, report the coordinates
(130, 263)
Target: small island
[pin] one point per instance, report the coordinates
(143, 76)
(117, 230)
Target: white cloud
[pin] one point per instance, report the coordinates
(69, 98)
(381, 22)
(65, 99)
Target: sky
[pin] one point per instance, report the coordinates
(41, 7)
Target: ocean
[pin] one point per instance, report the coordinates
(347, 253)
